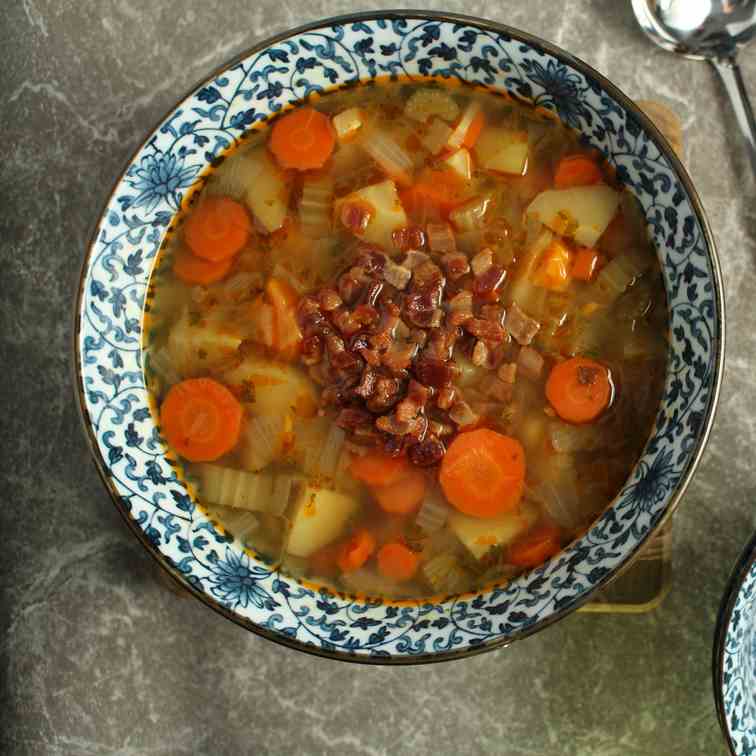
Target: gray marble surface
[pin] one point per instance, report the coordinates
(96, 656)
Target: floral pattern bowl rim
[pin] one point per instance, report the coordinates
(339, 626)
(734, 657)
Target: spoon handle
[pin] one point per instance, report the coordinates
(729, 71)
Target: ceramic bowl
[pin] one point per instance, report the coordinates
(160, 177)
(735, 656)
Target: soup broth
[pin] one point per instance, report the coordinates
(408, 339)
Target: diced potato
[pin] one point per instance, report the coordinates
(461, 163)
(348, 123)
(480, 535)
(503, 150)
(388, 215)
(319, 518)
(268, 195)
(276, 388)
(195, 347)
(436, 136)
(582, 212)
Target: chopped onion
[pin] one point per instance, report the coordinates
(316, 206)
(392, 159)
(471, 216)
(446, 575)
(566, 438)
(239, 522)
(561, 502)
(242, 285)
(262, 442)
(159, 361)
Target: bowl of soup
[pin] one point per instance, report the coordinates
(399, 336)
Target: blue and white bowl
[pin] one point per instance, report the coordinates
(735, 656)
(159, 179)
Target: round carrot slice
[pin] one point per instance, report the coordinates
(304, 139)
(536, 547)
(217, 228)
(201, 419)
(404, 496)
(397, 562)
(356, 551)
(197, 271)
(579, 389)
(378, 469)
(483, 473)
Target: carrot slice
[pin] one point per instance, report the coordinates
(536, 547)
(196, 271)
(378, 469)
(435, 192)
(217, 228)
(585, 264)
(579, 389)
(473, 132)
(483, 473)
(577, 170)
(356, 551)
(397, 562)
(304, 139)
(403, 496)
(201, 419)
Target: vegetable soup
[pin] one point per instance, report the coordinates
(408, 339)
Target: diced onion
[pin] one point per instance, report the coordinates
(391, 158)
(436, 137)
(316, 206)
(567, 438)
(472, 215)
(446, 575)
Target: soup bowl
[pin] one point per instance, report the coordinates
(161, 176)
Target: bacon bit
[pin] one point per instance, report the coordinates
(418, 393)
(462, 300)
(407, 410)
(508, 372)
(350, 288)
(485, 329)
(455, 264)
(391, 425)
(365, 314)
(312, 350)
(409, 237)
(427, 276)
(437, 428)
(486, 284)
(482, 262)
(427, 453)
(386, 394)
(355, 216)
(366, 385)
(372, 293)
(446, 397)
(530, 363)
(440, 237)
(350, 418)
(522, 327)
(418, 336)
(480, 354)
(434, 372)
(345, 321)
(329, 300)
(398, 357)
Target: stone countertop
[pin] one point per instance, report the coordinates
(97, 657)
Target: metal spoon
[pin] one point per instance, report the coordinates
(710, 30)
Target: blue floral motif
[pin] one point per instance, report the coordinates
(735, 656)
(151, 489)
(159, 178)
(237, 584)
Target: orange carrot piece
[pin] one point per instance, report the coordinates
(434, 192)
(577, 170)
(287, 337)
(304, 139)
(201, 419)
(378, 469)
(217, 228)
(473, 132)
(397, 562)
(553, 271)
(356, 551)
(196, 271)
(535, 547)
(585, 264)
(579, 389)
(483, 473)
(404, 496)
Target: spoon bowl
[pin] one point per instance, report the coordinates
(711, 30)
